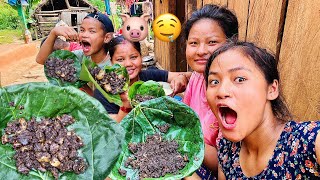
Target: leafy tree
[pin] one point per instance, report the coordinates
(9, 18)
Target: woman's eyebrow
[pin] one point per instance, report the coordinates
(231, 70)
(239, 68)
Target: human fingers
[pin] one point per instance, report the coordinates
(69, 33)
(173, 87)
(125, 99)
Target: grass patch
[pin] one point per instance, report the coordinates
(8, 36)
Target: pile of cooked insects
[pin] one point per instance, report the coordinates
(111, 82)
(156, 157)
(141, 98)
(46, 145)
(61, 69)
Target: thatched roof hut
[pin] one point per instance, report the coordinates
(49, 12)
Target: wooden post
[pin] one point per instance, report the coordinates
(264, 23)
(165, 52)
(68, 4)
(240, 8)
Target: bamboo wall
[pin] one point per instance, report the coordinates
(290, 29)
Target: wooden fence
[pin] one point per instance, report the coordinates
(289, 28)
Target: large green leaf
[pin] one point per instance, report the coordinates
(101, 135)
(185, 129)
(85, 75)
(151, 88)
(64, 54)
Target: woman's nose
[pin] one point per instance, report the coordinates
(224, 90)
(83, 34)
(202, 50)
(127, 63)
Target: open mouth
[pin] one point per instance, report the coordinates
(85, 46)
(164, 34)
(228, 117)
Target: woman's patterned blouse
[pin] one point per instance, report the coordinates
(293, 158)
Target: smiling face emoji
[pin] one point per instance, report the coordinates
(166, 27)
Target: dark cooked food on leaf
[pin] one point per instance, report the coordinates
(111, 82)
(101, 136)
(61, 69)
(142, 98)
(45, 145)
(142, 91)
(163, 140)
(109, 85)
(156, 157)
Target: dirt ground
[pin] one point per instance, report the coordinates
(18, 65)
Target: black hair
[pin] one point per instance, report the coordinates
(120, 40)
(224, 17)
(267, 64)
(105, 21)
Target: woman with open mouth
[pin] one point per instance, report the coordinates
(95, 32)
(260, 139)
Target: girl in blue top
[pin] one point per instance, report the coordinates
(259, 140)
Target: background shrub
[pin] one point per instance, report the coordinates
(9, 18)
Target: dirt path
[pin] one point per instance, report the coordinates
(17, 64)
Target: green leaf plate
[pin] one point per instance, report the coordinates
(101, 135)
(185, 129)
(64, 54)
(150, 87)
(85, 75)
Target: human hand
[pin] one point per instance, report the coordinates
(68, 32)
(125, 99)
(179, 84)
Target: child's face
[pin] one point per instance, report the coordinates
(127, 56)
(238, 94)
(205, 36)
(92, 36)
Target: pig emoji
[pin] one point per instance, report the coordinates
(135, 28)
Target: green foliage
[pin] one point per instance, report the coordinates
(30, 9)
(151, 88)
(101, 135)
(99, 4)
(9, 18)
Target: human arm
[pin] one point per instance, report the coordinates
(124, 110)
(178, 81)
(317, 147)
(85, 88)
(47, 47)
(221, 175)
(211, 158)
